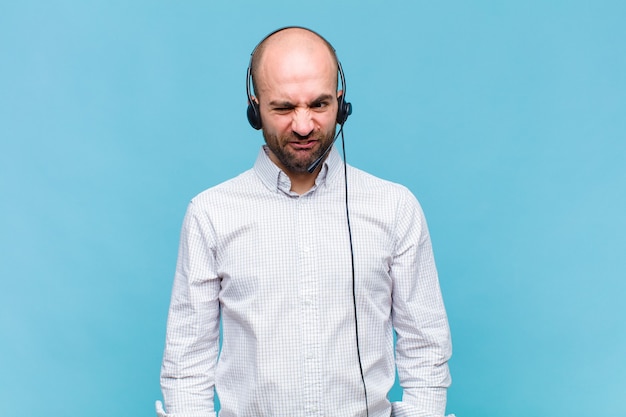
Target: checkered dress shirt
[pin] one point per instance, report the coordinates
(275, 268)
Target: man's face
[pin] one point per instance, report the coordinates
(298, 105)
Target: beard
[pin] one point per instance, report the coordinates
(298, 161)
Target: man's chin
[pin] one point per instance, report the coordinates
(300, 164)
(300, 167)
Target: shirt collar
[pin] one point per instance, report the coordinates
(276, 180)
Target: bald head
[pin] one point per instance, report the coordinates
(289, 47)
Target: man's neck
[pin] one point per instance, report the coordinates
(301, 182)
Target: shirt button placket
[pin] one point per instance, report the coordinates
(309, 307)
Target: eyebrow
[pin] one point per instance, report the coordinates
(284, 103)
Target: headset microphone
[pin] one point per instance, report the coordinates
(319, 160)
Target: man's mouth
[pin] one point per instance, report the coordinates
(303, 145)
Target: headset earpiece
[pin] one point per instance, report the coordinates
(254, 114)
(344, 109)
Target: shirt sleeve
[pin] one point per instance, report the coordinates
(423, 345)
(192, 339)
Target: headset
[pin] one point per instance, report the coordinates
(254, 115)
(343, 111)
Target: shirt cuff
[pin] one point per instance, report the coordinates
(161, 412)
(402, 409)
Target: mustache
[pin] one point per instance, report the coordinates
(310, 136)
(319, 136)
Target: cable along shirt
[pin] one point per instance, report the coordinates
(276, 268)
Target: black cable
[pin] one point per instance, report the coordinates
(356, 321)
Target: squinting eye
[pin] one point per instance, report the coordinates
(282, 110)
(320, 105)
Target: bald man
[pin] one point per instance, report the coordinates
(309, 268)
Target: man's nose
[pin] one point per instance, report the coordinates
(302, 123)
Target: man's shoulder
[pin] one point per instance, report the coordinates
(231, 188)
(367, 182)
(376, 192)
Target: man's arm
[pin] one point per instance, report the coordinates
(423, 337)
(192, 342)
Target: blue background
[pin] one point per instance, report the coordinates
(506, 119)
